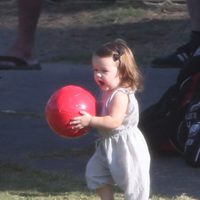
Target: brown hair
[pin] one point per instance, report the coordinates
(128, 69)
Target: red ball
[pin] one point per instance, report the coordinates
(65, 104)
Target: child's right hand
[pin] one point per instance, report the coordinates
(81, 121)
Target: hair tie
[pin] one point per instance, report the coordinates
(116, 56)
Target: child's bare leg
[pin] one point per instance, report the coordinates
(106, 192)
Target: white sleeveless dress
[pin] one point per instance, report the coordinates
(122, 155)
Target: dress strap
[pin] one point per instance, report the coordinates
(124, 90)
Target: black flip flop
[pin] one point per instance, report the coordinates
(17, 64)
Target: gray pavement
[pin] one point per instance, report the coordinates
(26, 138)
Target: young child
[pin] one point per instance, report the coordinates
(121, 156)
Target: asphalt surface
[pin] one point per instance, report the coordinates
(26, 139)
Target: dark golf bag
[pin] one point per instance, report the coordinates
(165, 124)
(190, 127)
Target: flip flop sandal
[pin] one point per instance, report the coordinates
(14, 63)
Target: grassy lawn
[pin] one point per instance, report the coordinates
(19, 183)
(71, 30)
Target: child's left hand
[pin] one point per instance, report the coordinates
(81, 121)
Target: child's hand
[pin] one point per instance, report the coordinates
(81, 121)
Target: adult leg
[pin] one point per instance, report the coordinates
(186, 52)
(106, 192)
(21, 54)
(193, 9)
(28, 15)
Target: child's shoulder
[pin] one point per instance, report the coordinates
(125, 90)
(121, 92)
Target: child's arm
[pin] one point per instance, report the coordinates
(113, 120)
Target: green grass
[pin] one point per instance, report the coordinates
(20, 183)
(115, 15)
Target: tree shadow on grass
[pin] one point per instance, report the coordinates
(69, 38)
(170, 178)
(148, 39)
(21, 181)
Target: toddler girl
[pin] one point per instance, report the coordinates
(121, 156)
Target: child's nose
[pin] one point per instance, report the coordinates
(98, 74)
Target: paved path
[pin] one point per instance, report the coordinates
(27, 139)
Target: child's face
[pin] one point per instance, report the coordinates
(106, 72)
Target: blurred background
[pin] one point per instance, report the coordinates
(71, 30)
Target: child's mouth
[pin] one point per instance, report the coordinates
(101, 83)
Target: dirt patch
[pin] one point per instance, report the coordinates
(72, 31)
